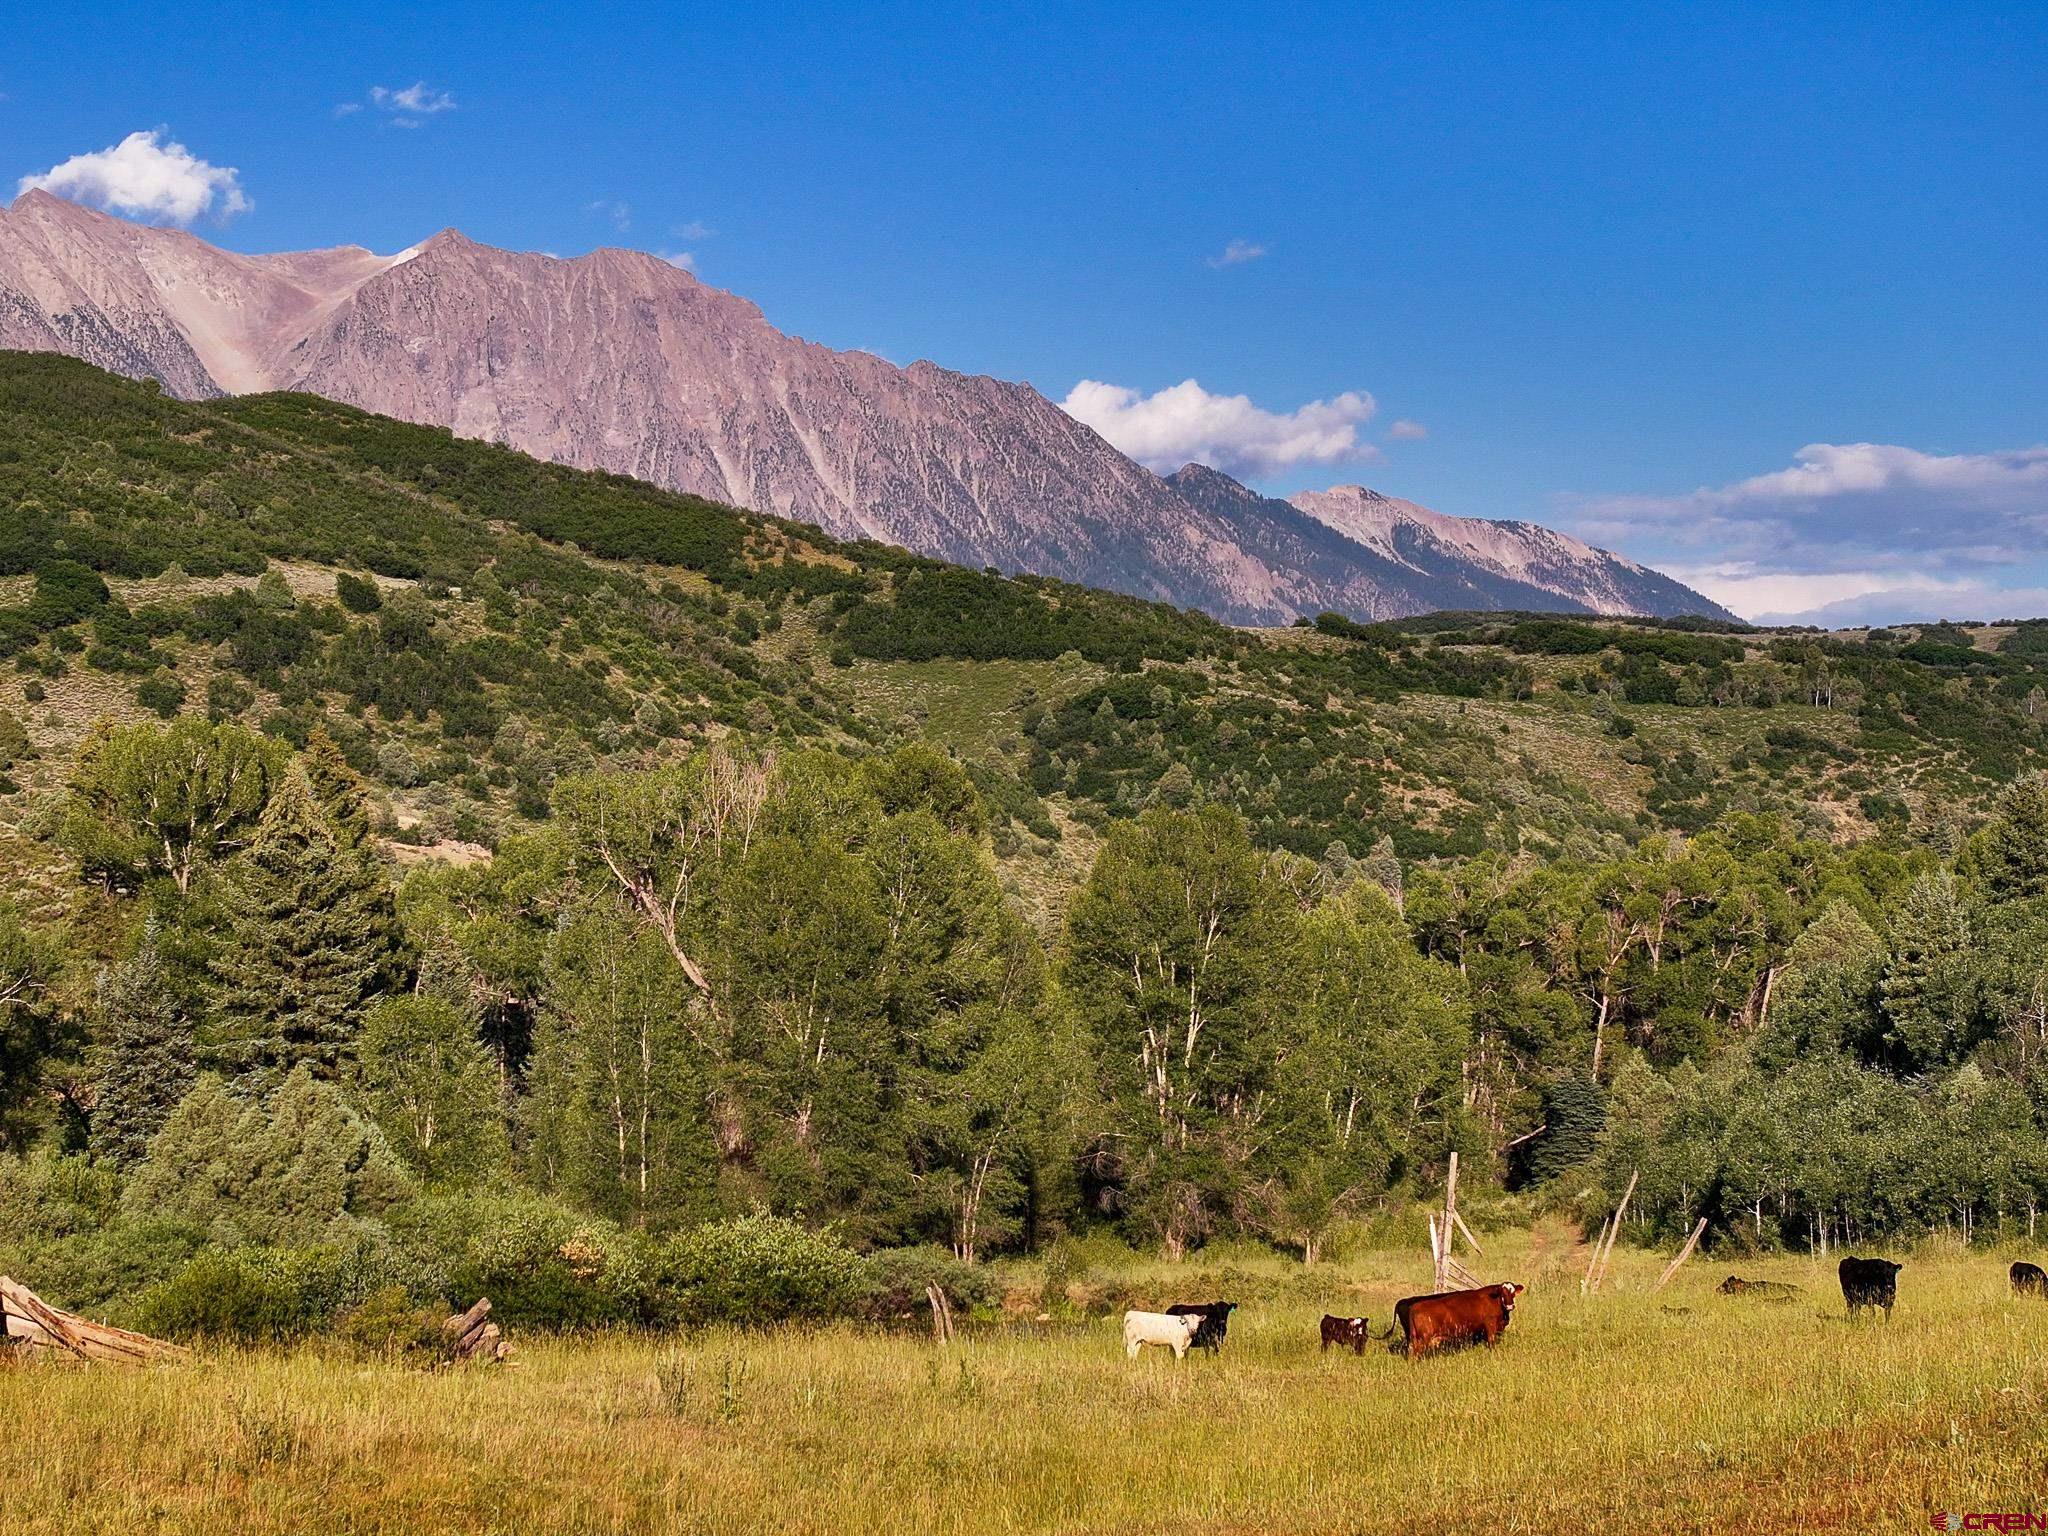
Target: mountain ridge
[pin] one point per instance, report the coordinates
(617, 360)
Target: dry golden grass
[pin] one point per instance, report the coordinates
(1626, 1412)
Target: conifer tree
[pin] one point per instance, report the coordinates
(275, 1171)
(145, 1053)
(2010, 856)
(1928, 987)
(309, 936)
(338, 788)
(1382, 867)
(345, 798)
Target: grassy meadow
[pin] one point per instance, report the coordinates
(1629, 1411)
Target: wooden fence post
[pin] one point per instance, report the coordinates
(1600, 1242)
(1614, 1230)
(1683, 1254)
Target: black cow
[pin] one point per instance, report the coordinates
(2027, 1279)
(1215, 1316)
(1870, 1283)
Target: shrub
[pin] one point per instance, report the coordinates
(282, 1169)
(274, 592)
(541, 1264)
(226, 698)
(759, 1269)
(893, 1282)
(223, 1294)
(390, 1322)
(15, 746)
(1062, 1269)
(357, 594)
(255, 1294)
(161, 691)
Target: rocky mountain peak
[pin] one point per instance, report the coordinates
(618, 360)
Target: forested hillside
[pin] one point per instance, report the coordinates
(429, 870)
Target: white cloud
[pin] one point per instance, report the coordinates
(620, 213)
(416, 100)
(1185, 422)
(1237, 253)
(687, 260)
(1849, 532)
(1753, 592)
(145, 177)
(1891, 484)
(1920, 603)
(1859, 469)
(1405, 431)
(347, 108)
(696, 229)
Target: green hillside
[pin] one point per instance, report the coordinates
(469, 624)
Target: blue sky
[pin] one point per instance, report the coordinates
(1756, 294)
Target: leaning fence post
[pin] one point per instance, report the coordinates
(1593, 1263)
(1683, 1254)
(1614, 1231)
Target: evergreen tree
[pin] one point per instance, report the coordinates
(276, 1170)
(274, 592)
(309, 923)
(2010, 857)
(1382, 866)
(1929, 987)
(145, 1052)
(338, 788)
(1574, 1113)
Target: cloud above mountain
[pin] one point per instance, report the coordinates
(148, 177)
(1185, 422)
(1877, 530)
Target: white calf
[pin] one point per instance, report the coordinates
(1142, 1328)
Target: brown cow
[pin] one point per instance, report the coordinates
(1345, 1330)
(1455, 1317)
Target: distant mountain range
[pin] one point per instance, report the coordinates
(618, 360)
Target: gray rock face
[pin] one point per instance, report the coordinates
(619, 361)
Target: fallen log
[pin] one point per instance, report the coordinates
(472, 1336)
(463, 1324)
(34, 1324)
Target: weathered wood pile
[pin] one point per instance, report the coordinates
(470, 1336)
(32, 1324)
